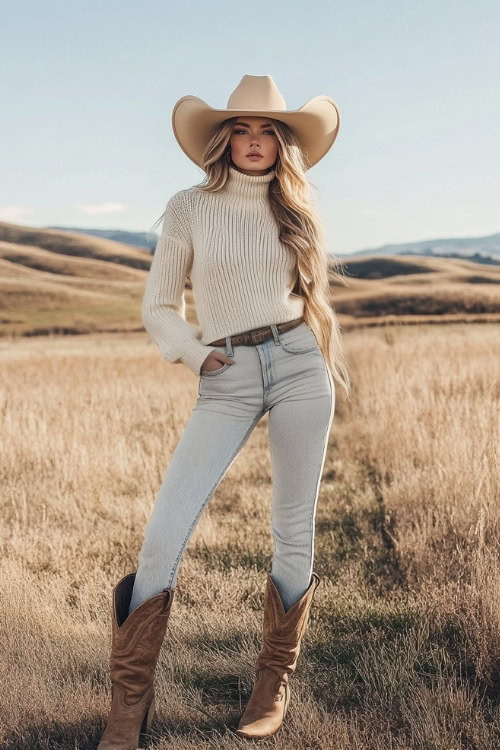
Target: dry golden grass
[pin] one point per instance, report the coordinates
(403, 647)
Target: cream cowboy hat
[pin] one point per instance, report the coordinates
(316, 124)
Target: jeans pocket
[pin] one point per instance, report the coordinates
(299, 340)
(211, 373)
(222, 368)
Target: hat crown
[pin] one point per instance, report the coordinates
(256, 93)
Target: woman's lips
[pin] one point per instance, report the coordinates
(254, 156)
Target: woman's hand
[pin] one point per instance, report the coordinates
(214, 360)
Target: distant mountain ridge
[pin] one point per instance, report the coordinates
(138, 239)
(484, 249)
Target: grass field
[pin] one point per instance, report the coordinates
(403, 646)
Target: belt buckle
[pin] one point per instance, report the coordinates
(258, 336)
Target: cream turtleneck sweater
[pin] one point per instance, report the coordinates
(242, 275)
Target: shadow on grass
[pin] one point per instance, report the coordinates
(372, 661)
(226, 559)
(368, 668)
(86, 734)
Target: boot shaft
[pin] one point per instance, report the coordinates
(137, 638)
(282, 631)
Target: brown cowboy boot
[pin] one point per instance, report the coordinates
(277, 660)
(136, 642)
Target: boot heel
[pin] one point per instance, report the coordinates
(148, 718)
(287, 699)
(151, 715)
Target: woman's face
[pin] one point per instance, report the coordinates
(253, 134)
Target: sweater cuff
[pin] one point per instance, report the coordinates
(194, 354)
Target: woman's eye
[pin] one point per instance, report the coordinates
(237, 132)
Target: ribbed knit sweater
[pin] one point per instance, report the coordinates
(242, 275)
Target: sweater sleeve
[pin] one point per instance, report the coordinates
(164, 305)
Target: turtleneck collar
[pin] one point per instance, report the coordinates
(248, 186)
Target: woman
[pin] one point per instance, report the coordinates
(268, 342)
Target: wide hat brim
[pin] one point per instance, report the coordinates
(316, 125)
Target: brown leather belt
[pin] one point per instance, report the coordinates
(257, 335)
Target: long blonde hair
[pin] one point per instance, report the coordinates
(300, 228)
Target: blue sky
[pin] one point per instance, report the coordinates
(88, 90)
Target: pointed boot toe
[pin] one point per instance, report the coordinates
(267, 706)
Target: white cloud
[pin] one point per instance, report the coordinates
(14, 213)
(96, 209)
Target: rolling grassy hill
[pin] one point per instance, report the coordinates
(410, 290)
(81, 245)
(54, 281)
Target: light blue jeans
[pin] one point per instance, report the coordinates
(286, 376)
